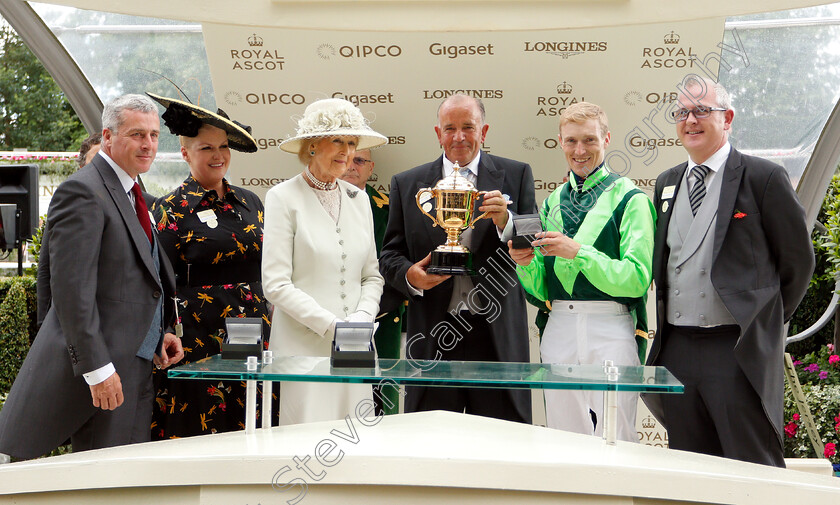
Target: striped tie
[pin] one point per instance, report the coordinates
(698, 187)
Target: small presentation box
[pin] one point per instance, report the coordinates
(525, 227)
(244, 338)
(353, 346)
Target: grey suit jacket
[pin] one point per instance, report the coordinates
(762, 264)
(104, 292)
(410, 236)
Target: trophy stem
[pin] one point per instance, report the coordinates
(452, 235)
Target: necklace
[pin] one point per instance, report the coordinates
(323, 186)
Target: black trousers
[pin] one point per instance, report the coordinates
(476, 345)
(720, 412)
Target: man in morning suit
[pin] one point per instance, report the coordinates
(732, 260)
(391, 305)
(88, 375)
(478, 318)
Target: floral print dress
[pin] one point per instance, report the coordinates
(215, 247)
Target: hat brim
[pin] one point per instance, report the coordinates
(368, 139)
(238, 138)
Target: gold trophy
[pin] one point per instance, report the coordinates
(455, 198)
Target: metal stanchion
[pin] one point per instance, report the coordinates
(267, 358)
(251, 398)
(610, 404)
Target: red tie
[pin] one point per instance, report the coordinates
(142, 211)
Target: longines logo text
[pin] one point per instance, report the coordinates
(256, 57)
(556, 103)
(439, 94)
(357, 99)
(565, 49)
(453, 52)
(260, 182)
(669, 55)
(328, 51)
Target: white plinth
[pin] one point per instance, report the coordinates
(405, 459)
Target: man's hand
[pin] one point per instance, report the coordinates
(496, 207)
(520, 256)
(418, 277)
(554, 243)
(172, 351)
(108, 394)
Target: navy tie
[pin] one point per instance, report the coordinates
(698, 188)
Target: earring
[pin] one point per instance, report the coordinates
(311, 153)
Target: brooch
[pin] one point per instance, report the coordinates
(739, 215)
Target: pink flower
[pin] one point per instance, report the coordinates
(790, 430)
(823, 375)
(796, 362)
(830, 347)
(813, 367)
(830, 450)
(834, 359)
(796, 417)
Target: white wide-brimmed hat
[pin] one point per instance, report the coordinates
(333, 117)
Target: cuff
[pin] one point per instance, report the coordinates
(411, 289)
(100, 374)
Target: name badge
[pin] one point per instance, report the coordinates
(668, 192)
(208, 217)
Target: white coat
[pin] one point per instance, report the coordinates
(316, 271)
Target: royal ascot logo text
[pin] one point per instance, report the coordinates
(564, 49)
(555, 103)
(669, 55)
(440, 94)
(360, 98)
(328, 51)
(256, 57)
(452, 52)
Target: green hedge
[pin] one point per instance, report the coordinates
(18, 315)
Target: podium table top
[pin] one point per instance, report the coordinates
(642, 379)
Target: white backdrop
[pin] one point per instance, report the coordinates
(265, 77)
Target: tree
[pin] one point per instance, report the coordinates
(35, 113)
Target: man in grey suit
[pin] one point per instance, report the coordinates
(732, 260)
(88, 373)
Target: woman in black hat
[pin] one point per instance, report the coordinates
(212, 233)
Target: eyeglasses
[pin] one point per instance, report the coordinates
(700, 112)
(360, 161)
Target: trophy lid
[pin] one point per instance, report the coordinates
(455, 181)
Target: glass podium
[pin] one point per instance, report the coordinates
(608, 378)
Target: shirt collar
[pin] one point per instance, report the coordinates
(125, 180)
(471, 166)
(591, 180)
(715, 161)
(194, 193)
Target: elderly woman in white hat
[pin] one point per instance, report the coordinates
(319, 256)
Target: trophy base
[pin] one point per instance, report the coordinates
(450, 263)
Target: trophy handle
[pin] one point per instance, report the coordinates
(478, 195)
(419, 206)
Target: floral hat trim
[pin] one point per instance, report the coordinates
(333, 117)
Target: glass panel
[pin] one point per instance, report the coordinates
(127, 54)
(440, 373)
(783, 98)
